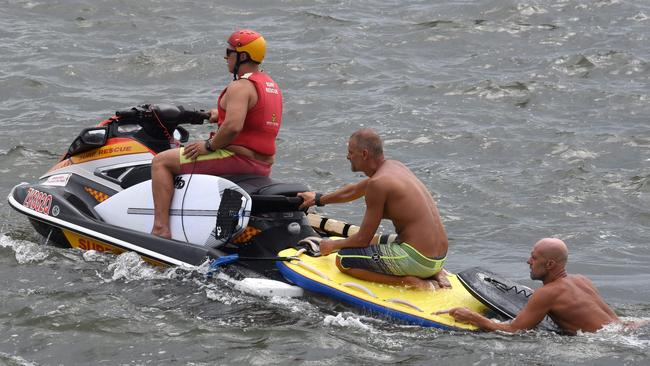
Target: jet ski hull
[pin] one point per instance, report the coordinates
(61, 222)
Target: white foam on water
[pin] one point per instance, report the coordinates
(294, 305)
(345, 322)
(95, 256)
(218, 295)
(625, 334)
(17, 360)
(528, 10)
(388, 142)
(421, 140)
(5, 241)
(639, 17)
(578, 154)
(25, 251)
(129, 266)
(220, 290)
(613, 341)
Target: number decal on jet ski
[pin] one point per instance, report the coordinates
(38, 201)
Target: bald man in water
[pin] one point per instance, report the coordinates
(571, 301)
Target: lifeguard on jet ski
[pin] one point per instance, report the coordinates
(98, 196)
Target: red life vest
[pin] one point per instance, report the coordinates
(262, 122)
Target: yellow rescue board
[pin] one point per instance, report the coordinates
(319, 274)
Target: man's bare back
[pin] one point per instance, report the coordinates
(577, 304)
(415, 223)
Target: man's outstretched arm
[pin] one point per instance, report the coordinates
(532, 314)
(375, 201)
(347, 193)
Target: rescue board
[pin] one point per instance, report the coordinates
(503, 296)
(205, 209)
(320, 275)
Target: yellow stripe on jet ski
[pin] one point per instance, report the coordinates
(422, 304)
(86, 243)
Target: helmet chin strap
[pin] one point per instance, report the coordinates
(235, 71)
(238, 63)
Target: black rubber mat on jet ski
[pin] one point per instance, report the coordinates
(228, 214)
(503, 296)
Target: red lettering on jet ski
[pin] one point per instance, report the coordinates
(115, 150)
(89, 155)
(102, 152)
(38, 201)
(87, 244)
(114, 147)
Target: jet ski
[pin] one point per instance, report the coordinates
(97, 196)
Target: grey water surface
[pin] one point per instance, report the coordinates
(525, 119)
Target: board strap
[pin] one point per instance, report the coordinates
(340, 228)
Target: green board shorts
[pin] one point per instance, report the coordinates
(397, 259)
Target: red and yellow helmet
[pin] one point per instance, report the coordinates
(249, 41)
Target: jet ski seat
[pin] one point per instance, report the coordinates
(269, 195)
(265, 186)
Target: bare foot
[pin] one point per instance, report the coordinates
(419, 283)
(441, 279)
(162, 232)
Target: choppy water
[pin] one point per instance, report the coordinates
(526, 119)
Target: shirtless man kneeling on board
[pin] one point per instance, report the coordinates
(571, 301)
(391, 192)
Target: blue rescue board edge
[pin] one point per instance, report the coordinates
(315, 286)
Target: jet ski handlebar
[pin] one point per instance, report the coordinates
(167, 114)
